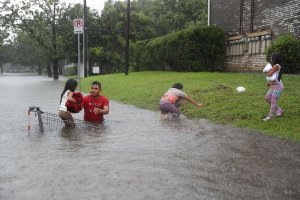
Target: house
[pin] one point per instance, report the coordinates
(251, 26)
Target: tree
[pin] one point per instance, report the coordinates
(38, 18)
(113, 33)
(149, 19)
(3, 36)
(28, 53)
(52, 30)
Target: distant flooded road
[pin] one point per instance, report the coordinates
(134, 155)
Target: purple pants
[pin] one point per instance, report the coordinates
(272, 98)
(167, 107)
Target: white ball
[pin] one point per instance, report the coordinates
(241, 89)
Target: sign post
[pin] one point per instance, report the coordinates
(78, 29)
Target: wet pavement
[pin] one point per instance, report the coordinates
(134, 155)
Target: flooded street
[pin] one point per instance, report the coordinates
(134, 155)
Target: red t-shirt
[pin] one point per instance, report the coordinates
(89, 103)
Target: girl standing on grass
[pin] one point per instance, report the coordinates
(173, 99)
(276, 86)
(66, 95)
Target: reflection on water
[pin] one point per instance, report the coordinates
(134, 155)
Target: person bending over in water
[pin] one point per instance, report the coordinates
(173, 99)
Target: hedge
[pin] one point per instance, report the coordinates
(289, 47)
(193, 49)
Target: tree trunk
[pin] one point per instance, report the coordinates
(101, 68)
(90, 70)
(39, 69)
(55, 69)
(1, 68)
(49, 71)
(60, 70)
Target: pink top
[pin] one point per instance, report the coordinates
(173, 95)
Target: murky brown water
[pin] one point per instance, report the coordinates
(134, 155)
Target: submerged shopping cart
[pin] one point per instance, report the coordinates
(52, 122)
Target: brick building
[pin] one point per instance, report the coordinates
(251, 26)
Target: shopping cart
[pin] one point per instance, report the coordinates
(52, 122)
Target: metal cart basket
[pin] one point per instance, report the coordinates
(51, 122)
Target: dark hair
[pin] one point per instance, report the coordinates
(178, 86)
(71, 85)
(96, 83)
(276, 58)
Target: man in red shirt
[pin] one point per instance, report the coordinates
(95, 105)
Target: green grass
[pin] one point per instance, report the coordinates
(217, 91)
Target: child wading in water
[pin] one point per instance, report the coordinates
(173, 99)
(276, 86)
(67, 95)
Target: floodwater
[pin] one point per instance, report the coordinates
(134, 155)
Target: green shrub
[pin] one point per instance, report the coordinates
(289, 47)
(193, 49)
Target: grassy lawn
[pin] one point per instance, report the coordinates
(217, 91)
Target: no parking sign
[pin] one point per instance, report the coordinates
(78, 26)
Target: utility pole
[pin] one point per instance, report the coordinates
(85, 42)
(208, 12)
(127, 38)
(55, 57)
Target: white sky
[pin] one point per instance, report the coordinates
(94, 4)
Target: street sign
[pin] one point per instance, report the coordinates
(78, 26)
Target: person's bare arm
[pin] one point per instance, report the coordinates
(191, 100)
(103, 111)
(273, 70)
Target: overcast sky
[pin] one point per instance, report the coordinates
(94, 4)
